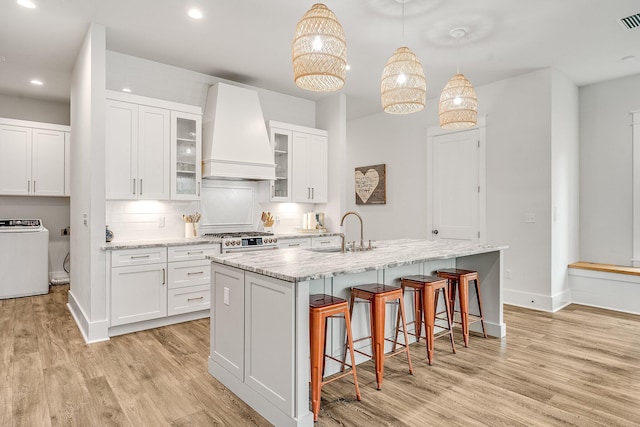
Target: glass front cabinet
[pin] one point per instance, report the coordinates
(281, 141)
(186, 155)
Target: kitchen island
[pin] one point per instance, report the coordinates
(260, 311)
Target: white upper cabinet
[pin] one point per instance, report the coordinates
(137, 151)
(32, 159)
(301, 157)
(281, 141)
(310, 169)
(186, 155)
(153, 149)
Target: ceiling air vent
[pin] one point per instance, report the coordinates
(630, 22)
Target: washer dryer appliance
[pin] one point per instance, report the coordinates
(24, 258)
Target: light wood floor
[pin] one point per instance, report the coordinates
(580, 366)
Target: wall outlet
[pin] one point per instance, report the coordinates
(507, 273)
(530, 218)
(160, 221)
(226, 296)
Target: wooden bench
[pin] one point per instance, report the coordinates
(614, 287)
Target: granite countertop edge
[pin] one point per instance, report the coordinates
(244, 263)
(141, 244)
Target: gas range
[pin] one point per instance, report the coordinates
(245, 241)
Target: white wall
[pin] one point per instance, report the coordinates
(518, 153)
(87, 296)
(162, 81)
(565, 216)
(606, 170)
(35, 110)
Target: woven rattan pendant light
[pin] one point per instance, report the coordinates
(319, 51)
(403, 87)
(458, 107)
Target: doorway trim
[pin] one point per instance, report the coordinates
(434, 131)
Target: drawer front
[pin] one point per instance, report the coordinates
(189, 273)
(186, 300)
(295, 243)
(319, 242)
(126, 257)
(192, 252)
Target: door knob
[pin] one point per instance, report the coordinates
(434, 231)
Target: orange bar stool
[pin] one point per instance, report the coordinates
(426, 290)
(459, 280)
(378, 295)
(321, 308)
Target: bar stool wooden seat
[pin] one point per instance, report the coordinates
(321, 308)
(459, 285)
(426, 290)
(378, 295)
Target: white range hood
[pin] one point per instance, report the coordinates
(235, 143)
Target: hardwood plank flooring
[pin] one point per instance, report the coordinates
(580, 367)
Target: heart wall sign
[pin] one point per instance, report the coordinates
(371, 185)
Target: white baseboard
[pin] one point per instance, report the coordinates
(612, 291)
(157, 323)
(91, 331)
(538, 301)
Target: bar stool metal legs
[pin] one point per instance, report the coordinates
(378, 295)
(459, 281)
(426, 293)
(322, 307)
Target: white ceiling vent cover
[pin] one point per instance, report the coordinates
(630, 22)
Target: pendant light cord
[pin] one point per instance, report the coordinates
(403, 43)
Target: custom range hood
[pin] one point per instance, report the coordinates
(235, 143)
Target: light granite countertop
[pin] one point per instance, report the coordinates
(297, 265)
(139, 244)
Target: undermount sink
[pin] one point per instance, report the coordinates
(337, 249)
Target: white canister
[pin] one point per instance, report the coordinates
(191, 230)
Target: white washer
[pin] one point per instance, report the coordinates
(24, 258)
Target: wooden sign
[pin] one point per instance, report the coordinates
(371, 185)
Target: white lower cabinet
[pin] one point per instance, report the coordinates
(153, 283)
(138, 290)
(253, 333)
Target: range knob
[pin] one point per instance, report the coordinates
(275, 240)
(227, 243)
(238, 242)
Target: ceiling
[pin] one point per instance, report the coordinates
(249, 41)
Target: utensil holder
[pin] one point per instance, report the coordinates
(191, 230)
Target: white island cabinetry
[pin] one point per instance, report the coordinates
(260, 319)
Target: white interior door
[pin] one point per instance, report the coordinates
(456, 183)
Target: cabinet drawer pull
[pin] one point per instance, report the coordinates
(195, 272)
(140, 256)
(325, 242)
(293, 244)
(194, 299)
(197, 252)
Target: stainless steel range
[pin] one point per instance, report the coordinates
(245, 241)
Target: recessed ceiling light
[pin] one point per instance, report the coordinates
(36, 82)
(195, 14)
(629, 58)
(126, 89)
(27, 3)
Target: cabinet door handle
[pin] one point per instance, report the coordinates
(134, 186)
(308, 192)
(34, 186)
(29, 186)
(195, 272)
(194, 299)
(141, 186)
(273, 190)
(163, 276)
(139, 256)
(313, 193)
(198, 188)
